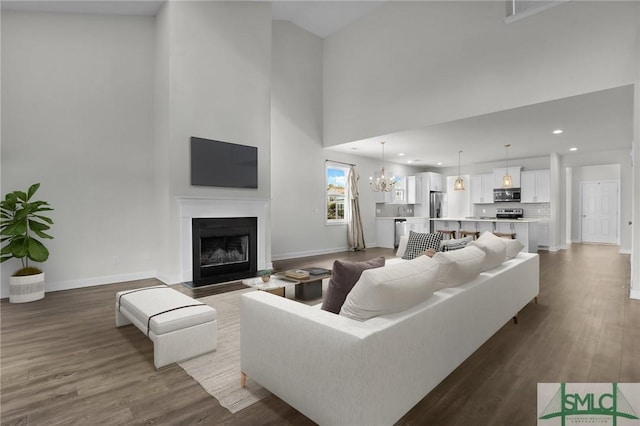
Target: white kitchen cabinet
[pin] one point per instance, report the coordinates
(385, 229)
(535, 186)
(418, 224)
(397, 195)
(436, 182)
(514, 171)
(482, 189)
(414, 190)
(543, 234)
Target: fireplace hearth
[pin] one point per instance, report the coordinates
(224, 249)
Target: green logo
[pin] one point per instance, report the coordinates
(588, 404)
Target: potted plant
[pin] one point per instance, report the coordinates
(266, 275)
(21, 220)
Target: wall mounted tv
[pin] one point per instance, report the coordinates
(223, 164)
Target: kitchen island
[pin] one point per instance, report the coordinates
(525, 230)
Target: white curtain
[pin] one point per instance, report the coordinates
(355, 234)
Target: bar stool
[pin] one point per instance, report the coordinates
(474, 234)
(451, 233)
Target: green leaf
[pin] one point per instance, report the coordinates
(42, 234)
(46, 219)
(21, 195)
(15, 229)
(20, 246)
(32, 190)
(37, 251)
(38, 226)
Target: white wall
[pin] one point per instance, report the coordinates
(77, 105)
(411, 64)
(215, 61)
(298, 158)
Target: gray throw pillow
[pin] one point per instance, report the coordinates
(344, 276)
(419, 242)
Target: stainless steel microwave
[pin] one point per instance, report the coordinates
(506, 195)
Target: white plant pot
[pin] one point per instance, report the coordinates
(26, 289)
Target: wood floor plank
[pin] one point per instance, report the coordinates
(63, 361)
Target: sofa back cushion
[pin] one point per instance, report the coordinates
(391, 289)
(343, 277)
(513, 248)
(418, 242)
(458, 267)
(494, 247)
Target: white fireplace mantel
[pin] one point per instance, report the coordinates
(200, 207)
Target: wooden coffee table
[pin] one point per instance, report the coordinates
(307, 288)
(275, 285)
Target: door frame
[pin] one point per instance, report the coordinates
(582, 183)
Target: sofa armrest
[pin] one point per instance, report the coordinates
(298, 352)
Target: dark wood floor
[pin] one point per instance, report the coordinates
(63, 361)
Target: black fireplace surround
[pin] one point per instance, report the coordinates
(224, 249)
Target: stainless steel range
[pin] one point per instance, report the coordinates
(509, 213)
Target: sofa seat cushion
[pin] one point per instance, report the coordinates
(393, 288)
(344, 276)
(418, 242)
(459, 267)
(494, 247)
(148, 302)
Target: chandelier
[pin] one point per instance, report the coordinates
(507, 182)
(381, 182)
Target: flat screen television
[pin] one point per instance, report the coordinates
(223, 164)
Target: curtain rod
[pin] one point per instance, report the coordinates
(339, 162)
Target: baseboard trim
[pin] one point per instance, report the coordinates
(634, 294)
(624, 251)
(94, 281)
(297, 255)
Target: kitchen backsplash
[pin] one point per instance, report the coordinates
(534, 210)
(393, 210)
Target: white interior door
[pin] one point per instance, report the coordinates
(600, 212)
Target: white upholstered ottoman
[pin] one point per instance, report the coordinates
(179, 327)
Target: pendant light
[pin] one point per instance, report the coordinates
(382, 182)
(459, 184)
(507, 182)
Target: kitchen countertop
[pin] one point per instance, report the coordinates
(402, 217)
(474, 219)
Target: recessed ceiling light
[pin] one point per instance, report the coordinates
(409, 161)
(401, 154)
(573, 149)
(557, 131)
(439, 164)
(354, 148)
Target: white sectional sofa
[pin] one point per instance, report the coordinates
(339, 371)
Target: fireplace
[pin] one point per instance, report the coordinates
(224, 249)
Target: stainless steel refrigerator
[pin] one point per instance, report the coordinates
(437, 206)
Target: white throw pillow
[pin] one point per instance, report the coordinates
(513, 248)
(458, 267)
(402, 245)
(455, 244)
(392, 288)
(494, 247)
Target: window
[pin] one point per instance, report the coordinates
(337, 204)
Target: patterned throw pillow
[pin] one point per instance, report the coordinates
(419, 242)
(455, 244)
